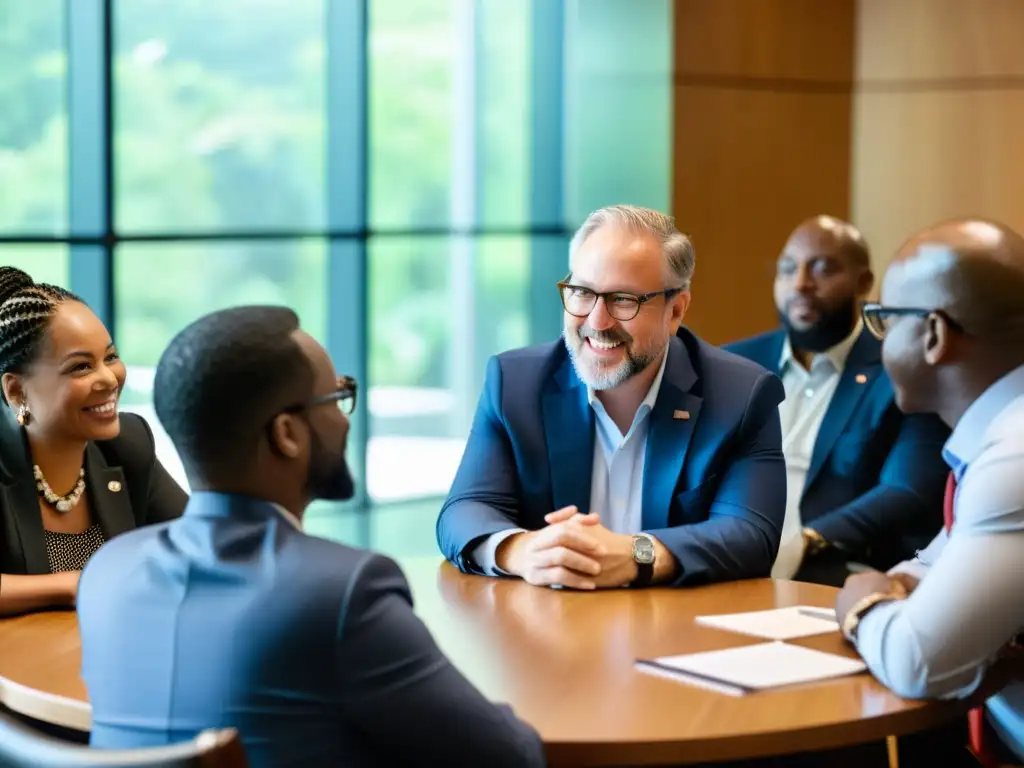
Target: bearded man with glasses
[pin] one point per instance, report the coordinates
(629, 452)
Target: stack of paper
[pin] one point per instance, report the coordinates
(751, 668)
(776, 624)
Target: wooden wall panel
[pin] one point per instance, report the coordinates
(799, 39)
(938, 109)
(923, 157)
(762, 120)
(934, 40)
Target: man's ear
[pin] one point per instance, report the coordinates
(937, 339)
(865, 283)
(680, 304)
(286, 435)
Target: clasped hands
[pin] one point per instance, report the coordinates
(574, 550)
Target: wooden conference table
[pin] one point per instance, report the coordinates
(564, 661)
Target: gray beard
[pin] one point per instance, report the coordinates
(605, 378)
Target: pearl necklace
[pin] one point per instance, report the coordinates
(62, 503)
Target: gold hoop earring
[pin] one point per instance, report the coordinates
(23, 415)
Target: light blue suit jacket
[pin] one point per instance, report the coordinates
(714, 486)
(231, 616)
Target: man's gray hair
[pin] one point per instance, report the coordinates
(677, 248)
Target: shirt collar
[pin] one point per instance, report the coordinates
(652, 394)
(288, 516)
(837, 355)
(967, 439)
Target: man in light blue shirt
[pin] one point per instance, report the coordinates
(628, 452)
(952, 316)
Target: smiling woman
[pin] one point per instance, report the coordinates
(73, 472)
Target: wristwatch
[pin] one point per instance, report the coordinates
(814, 542)
(643, 556)
(859, 609)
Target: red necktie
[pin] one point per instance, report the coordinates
(976, 717)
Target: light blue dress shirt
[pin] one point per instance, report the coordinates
(617, 474)
(939, 642)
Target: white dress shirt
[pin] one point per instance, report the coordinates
(808, 395)
(939, 642)
(617, 474)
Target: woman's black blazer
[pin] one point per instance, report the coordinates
(127, 487)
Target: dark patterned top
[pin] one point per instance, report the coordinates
(71, 551)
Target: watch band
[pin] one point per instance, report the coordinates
(644, 571)
(815, 541)
(644, 575)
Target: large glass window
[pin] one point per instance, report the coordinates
(44, 263)
(618, 104)
(406, 180)
(162, 287)
(219, 115)
(33, 118)
(438, 308)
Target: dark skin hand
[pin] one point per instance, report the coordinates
(1008, 667)
(860, 585)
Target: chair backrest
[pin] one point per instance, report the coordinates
(24, 747)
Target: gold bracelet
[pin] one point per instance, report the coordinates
(861, 607)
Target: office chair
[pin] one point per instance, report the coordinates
(24, 747)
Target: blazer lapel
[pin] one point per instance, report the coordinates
(569, 434)
(21, 497)
(862, 367)
(108, 493)
(669, 434)
(22, 503)
(770, 352)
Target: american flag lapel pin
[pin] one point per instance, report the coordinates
(683, 415)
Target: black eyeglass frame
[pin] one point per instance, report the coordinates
(346, 394)
(638, 298)
(874, 314)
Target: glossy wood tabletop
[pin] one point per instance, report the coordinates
(565, 662)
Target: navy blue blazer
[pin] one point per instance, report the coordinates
(876, 479)
(231, 616)
(714, 485)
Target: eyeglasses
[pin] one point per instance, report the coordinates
(878, 318)
(344, 396)
(580, 302)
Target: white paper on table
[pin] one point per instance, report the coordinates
(778, 623)
(752, 668)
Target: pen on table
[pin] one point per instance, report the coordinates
(818, 613)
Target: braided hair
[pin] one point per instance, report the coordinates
(26, 309)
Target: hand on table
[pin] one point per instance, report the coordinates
(616, 564)
(860, 585)
(564, 553)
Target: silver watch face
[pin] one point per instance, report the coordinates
(643, 550)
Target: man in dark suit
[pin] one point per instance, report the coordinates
(232, 616)
(628, 452)
(865, 482)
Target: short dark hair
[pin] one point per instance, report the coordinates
(26, 311)
(223, 378)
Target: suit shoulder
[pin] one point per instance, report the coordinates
(723, 364)
(133, 448)
(538, 354)
(338, 563)
(532, 363)
(119, 553)
(753, 344)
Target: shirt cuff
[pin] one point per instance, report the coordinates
(483, 553)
